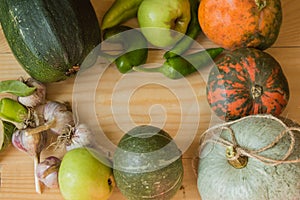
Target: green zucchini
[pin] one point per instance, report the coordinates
(50, 38)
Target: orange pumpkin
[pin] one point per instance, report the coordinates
(234, 24)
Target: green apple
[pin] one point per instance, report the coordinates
(163, 22)
(84, 176)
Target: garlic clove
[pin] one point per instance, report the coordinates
(38, 97)
(47, 171)
(17, 141)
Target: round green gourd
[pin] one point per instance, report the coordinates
(251, 179)
(147, 164)
(50, 38)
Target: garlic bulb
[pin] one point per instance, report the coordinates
(62, 117)
(30, 143)
(82, 137)
(38, 97)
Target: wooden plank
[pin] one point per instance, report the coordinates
(289, 33)
(147, 103)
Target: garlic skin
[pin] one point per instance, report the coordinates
(61, 115)
(38, 97)
(47, 171)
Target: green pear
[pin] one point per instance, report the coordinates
(85, 176)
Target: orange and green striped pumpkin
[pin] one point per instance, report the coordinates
(244, 82)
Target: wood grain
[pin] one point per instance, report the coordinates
(145, 103)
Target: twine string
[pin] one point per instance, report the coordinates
(209, 136)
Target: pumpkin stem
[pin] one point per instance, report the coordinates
(234, 159)
(73, 70)
(261, 4)
(256, 91)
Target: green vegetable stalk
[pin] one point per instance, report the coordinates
(178, 67)
(119, 12)
(134, 44)
(192, 32)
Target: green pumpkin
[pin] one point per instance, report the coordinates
(246, 176)
(147, 165)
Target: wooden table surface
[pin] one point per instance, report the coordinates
(147, 103)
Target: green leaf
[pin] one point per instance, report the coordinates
(6, 131)
(16, 88)
(1, 134)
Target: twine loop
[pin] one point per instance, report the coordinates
(243, 151)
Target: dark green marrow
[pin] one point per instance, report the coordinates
(50, 38)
